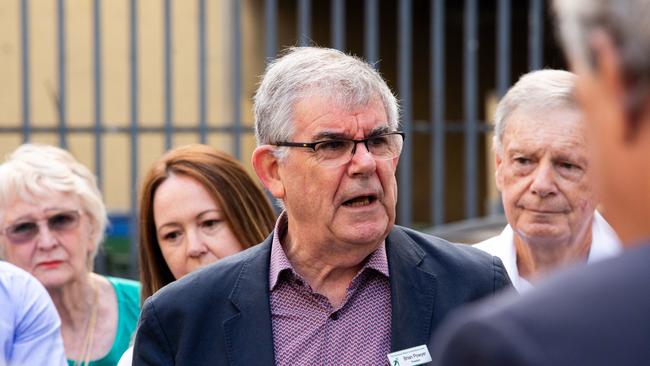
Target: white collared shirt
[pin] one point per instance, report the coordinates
(604, 244)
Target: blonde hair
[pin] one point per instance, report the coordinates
(33, 171)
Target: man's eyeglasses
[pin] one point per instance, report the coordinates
(337, 152)
(25, 231)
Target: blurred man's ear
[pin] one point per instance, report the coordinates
(606, 60)
(607, 67)
(635, 103)
(266, 167)
(600, 88)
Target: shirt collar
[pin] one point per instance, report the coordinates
(279, 260)
(377, 260)
(508, 255)
(604, 244)
(604, 241)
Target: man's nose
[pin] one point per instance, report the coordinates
(356, 144)
(544, 180)
(362, 159)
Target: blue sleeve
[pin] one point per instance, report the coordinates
(37, 334)
(151, 344)
(501, 278)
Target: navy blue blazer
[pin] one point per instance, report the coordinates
(220, 315)
(593, 315)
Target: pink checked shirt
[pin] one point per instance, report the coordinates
(307, 330)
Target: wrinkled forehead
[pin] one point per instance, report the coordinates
(317, 115)
(28, 204)
(533, 123)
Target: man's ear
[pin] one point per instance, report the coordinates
(266, 167)
(498, 160)
(608, 64)
(606, 76)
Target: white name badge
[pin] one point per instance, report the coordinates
(411, 356)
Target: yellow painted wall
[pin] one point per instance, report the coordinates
(116, 96)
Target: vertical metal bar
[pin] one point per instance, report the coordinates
(503, 46)
(437, 204)
(337, 26)
(133, 258)
(24, 32)
(237, 60)
(100, 259)
(271, 24)
(470, 98)
(203, 76)
(168, 76)
(405, 82)
(503, 62)
(535, 34)
(60, 11)
(271, 27)
(97, 75)
(304, 22)
(371, 35)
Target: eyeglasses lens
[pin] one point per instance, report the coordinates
(22, 233)
(26, 231)
(339, 152)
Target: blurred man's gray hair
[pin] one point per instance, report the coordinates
(304, 71)
(627, 22)
(535, 92)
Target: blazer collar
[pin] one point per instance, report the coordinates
(413, 292)
(248, 332)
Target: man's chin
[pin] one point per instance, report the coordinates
(364, 233)
(541, 237)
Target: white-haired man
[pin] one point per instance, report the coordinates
(544, 174)
(336, 283)
(597, 314)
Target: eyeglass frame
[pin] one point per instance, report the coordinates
(312, 145)
(77, 215)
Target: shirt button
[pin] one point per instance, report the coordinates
(334, 315)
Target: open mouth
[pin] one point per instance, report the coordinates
(360, 201)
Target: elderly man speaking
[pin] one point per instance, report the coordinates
(336, 283)
(545, 177)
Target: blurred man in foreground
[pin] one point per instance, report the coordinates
(598, 314)
(544, 174)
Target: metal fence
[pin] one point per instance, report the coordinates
(437, 127)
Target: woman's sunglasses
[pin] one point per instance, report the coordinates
(25, 231)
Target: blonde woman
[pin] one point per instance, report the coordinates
(52, 220)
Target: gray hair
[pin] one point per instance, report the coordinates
(305, 71)
(33, 171)
(626, 22)
(535, 91)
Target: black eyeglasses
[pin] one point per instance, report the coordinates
(337, 152)
(25, 231)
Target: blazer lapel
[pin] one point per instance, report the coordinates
(413, 292)
(248, 334)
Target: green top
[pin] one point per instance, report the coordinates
(128, 311)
